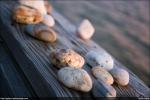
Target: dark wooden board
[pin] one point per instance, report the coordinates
(32, 57)
(12, 82)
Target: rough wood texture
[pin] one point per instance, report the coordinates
(12, 84)
(32, 58)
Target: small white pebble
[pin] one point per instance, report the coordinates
(48, 20)
(85, 30)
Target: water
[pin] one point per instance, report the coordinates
(122, 28)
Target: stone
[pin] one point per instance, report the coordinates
(97, 58)
(102, 75)
(66, 57)
(48, 20)
(41, 32)
(100, 89)
(25, 15)
(120, 75)
(75, 78)
(85, 30)
(37, 4)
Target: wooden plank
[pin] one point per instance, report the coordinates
(33, 57)
(136, 87)
(39, 85)
(32, 63)
(12, 83)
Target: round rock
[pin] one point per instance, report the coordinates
(120, 75)
(85, 30)
(101, 59)
(66, 57)
(48, 20)
(25, 15)
(102, 75)
(37, 4)
(75, 78)
(41, 32)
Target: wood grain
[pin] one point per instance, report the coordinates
(12, 82)
(32, 56)
(88, 45)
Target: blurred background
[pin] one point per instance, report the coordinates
(122, 28)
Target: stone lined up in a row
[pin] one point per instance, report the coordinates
(35, 12)
(38, 23)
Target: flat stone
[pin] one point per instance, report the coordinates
(85, 30)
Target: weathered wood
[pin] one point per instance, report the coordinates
(32, 57)
(135, 83)
(11, 78)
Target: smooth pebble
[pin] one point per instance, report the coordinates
(75, 78)
(100, 89)
(48, 20)
(102, 59)
(121, 76)
(41, 32)
(102, 75)
(37, 4)
(85, 30)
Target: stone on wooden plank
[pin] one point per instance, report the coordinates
(85, 30)
(48, 20)
(25, 15)
(121, 76)
(97, 58)
(37, 4)
(75, 78)
(102, 75)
